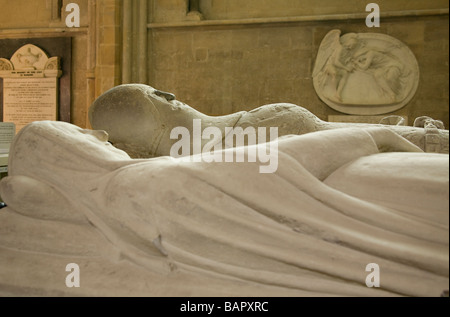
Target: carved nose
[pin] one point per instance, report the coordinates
(167, 95)
(99, 134)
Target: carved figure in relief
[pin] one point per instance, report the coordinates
(339, 200)
(385, 69)
(364, 73)
(339, 63)
(29, 58)
(140, 118)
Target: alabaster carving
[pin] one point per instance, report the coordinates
(52, 63)
(365, 73)
(393, 120)
(30, 57)
(5, 64)
(432, 132)
(426, 121)
(341, 199)
(140, 118)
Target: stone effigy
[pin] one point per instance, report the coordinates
(139, 120)
(340, 201)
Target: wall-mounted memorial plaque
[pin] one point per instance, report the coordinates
(34, 84)
(365, 73)
(30, 86)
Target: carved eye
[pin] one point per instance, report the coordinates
(167, 95)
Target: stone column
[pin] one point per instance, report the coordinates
(127, 34)
(194, 13)
(142, 42)
(134, 41)
(91, 57)
(109, 46)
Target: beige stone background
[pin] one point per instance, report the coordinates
(234, 55)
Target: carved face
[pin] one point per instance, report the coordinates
(349, 41)
(350, 44)
(64, 146)
(98, 139)
(134, 115)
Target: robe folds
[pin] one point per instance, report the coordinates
(339, 200)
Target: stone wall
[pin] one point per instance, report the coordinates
(238, 9)
(108, 45)
(228, 55)
(95, 44)
(245, 54)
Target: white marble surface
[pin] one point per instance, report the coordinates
(139, 120)
(340, 199)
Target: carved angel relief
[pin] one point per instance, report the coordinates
(365, 73)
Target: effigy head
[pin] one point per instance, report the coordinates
(43, 147)
(132, 114)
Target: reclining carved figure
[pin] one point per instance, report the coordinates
(140, 118)
(340, 199)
